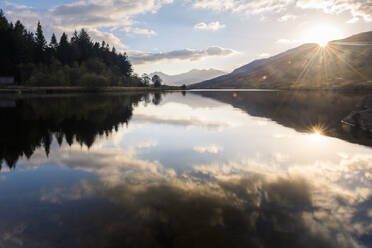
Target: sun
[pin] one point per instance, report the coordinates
(322, 34)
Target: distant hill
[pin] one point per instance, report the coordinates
(193, 76)
(345, 63)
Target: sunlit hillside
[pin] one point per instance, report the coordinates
(343, 63)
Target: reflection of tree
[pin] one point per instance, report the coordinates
(35, 121)
(157, 98)
(300, 110)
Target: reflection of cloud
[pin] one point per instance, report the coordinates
(281, 136)
(147, 144)
(209, 149)
(11, 238)
(251, 212)
(280, 157)
(186, 122)
(180, 114)
(254, 211)
(324, 203)
(57, 195)
(117, 164)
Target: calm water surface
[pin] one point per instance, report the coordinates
(195, 169)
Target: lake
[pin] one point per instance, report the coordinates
(184, 169)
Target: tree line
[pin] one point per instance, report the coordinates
(75, 61)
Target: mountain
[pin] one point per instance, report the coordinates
(251, 66)
(193, 76)
(345, 63)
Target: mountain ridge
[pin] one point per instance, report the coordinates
(344, 63)
(190, 77)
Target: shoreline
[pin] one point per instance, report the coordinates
(61, 90)
(20, 90)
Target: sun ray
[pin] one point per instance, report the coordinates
(334, 51)
(307, 66)
(325, 64)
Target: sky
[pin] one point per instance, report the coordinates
(175, 36)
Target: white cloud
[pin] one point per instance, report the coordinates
(93, 15)
(109, 38)
(183, 54)
(140, 31)
(264, 55)
(287, 41)
(214, 26)
(208, 149)
(357, 8)
(15, 6)
(249, 7)
(287, 17)
(353, 20)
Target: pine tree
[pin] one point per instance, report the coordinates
(39, 38)
(63, 42)
(75, 37)
(40, 44)
(4, 24)
(53, 42)
(63, 50)
(85, 45)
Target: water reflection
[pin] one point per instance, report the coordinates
(158, 170)
(216, 206)
(33, 122)
(302, 110)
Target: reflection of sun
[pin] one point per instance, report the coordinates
(322, 35)
(316, 134)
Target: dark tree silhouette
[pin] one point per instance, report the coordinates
(53, 42)
(145, 79)
(40, 44)
(156, 80)
(79, 61)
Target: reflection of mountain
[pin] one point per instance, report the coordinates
(193, 76)
(32, 122)
(300, 110)
(342, 63)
